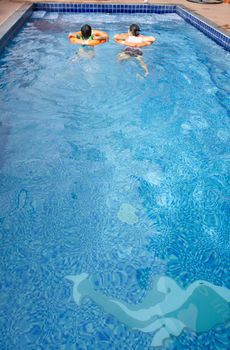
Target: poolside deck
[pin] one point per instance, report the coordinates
(218, 13)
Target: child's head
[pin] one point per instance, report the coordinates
(86, 31)
(134, 30)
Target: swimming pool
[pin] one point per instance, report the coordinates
(114, 188)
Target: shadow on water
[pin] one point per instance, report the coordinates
(4, 133)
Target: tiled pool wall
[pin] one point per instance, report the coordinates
(204, 27)
(107, 8)
(201, 24)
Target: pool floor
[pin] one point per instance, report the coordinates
(114, 188)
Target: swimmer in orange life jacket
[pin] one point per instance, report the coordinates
(87, 38)
(87, 34)
(133, 41)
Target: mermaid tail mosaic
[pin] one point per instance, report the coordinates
(166, 310)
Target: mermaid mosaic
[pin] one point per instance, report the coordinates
(167, 308)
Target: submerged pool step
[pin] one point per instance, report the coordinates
(51, 15)
(45, 15)
(38, 14)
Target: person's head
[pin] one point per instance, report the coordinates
(134, 29)
(86, 31)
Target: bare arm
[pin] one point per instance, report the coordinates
(150, 39)
(122, 36)
(99, 35)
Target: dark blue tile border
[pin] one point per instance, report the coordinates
(104, 8)
(206, 27)
(201, 24)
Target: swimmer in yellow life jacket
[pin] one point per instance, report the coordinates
(133, 41)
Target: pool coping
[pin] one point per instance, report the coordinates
(13, 24)
(210, 29)
(205, 19)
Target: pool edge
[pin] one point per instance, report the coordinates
(13, 23)
(206, 26)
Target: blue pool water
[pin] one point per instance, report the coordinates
(114, 186)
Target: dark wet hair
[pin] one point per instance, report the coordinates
(134, 29)
(86, 31)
